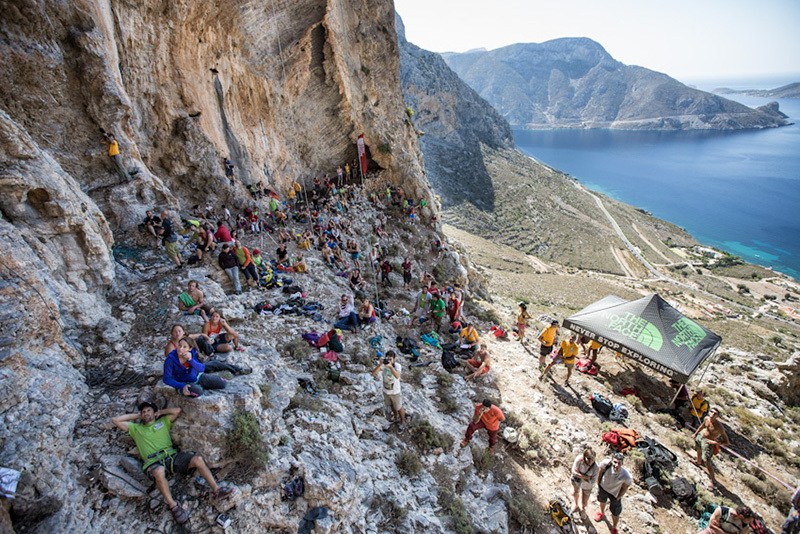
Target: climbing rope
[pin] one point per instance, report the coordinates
(283, 82)
(350, 82)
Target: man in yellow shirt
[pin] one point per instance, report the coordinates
(113, 153)
(567, 352)
(547, 338)
(594, 350)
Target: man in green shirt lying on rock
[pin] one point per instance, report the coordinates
(155, 447)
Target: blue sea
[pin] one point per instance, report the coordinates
(737, 191)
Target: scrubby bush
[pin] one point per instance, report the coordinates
(525, 511)
(457, 511)
(481, 459)
(298, 349)
(425, 437)
(304, 401)
(266, 394)
(408, 463)
(246, 442)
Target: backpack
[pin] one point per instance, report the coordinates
(651, 477)
(585, 365)
(684, 491)
(657, 452)
(556, 507)
(293, 489)
(618, 413)
(449, 361)
(612, 439)
(261, 306)
(627, 438)
(758, 527)
(601, 404)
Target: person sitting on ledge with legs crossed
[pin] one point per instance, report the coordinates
(159, 456)
(488, 417)
(480, 365)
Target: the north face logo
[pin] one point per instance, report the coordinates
(634, 327)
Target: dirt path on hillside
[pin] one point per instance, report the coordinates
(649, 244)
(621, 261)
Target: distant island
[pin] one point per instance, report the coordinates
(791, 90)
(575, 83)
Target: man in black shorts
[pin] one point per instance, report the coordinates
(547, 338)
(155, 447)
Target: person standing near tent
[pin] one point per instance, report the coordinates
(567, 352)
(708, 437)
(547, 338)
(612, 483)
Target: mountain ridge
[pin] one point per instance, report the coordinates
(576, 83)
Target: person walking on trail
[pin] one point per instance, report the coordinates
(230, 264)
(708, 438)
(390, 374)
(726, 520)
(154, 443)
(113, 153)
(584, 477)
(522, 321)
(792, 523)
(612, 483)
(547, 338)
(480, 365)
(170, 239)
(488, 417)
(567, 352)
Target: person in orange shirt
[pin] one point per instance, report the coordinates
(488, 417)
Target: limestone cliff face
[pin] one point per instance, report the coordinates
(282, 88)
(455, 121)
(575, 83)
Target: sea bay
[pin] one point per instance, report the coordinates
(738, 191)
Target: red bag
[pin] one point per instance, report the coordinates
(612, 438)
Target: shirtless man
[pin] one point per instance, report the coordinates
(706, 437)
(196, 296)
(481, 364)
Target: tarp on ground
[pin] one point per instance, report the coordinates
(649, 331)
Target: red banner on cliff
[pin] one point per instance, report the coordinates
(362, 154)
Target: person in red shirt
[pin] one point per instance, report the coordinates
(488, 417)
(223, 235)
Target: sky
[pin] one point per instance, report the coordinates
(689, 40)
